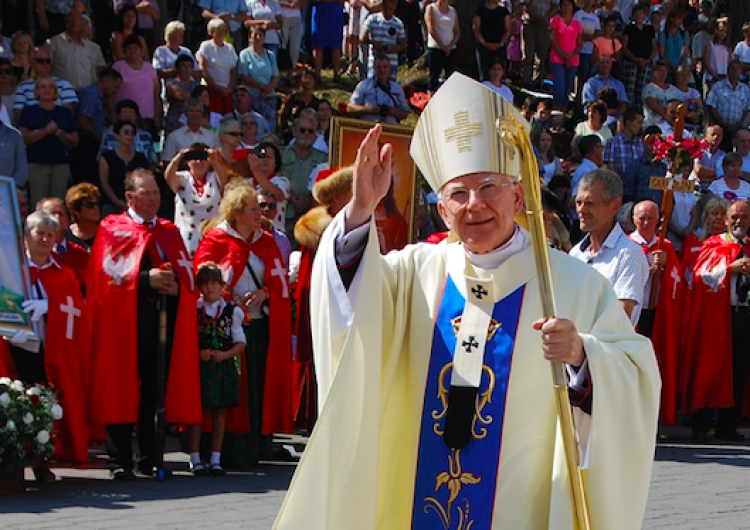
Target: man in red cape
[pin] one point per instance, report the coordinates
(661, 322)
(136, 260)
(231, 253)
(63, 345)
(718, 345)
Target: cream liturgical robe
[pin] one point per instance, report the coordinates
(373, 357)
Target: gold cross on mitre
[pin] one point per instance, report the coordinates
(463, 130)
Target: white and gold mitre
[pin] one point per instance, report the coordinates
(457, 133)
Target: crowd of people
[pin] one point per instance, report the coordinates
(177, 179)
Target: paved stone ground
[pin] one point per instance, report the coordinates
(693, 487)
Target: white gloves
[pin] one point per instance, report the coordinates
(19, 337)
(37, 308)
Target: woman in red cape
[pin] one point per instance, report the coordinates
(714, 215)
(257, 280)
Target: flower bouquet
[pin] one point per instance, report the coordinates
(673, 151)
(27, 414)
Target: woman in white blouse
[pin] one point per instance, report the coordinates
(218, 63)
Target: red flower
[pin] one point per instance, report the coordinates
(34, 400)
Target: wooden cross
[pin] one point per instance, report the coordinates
(463, 130)
(667, 201)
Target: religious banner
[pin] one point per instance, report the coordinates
(394, 216)
(14, 277)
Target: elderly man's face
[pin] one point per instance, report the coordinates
(738, 219)
(242, 100)
(604, 65)
(714, 135)
(742, 142)
(304, 133)
(42, 61)
(646, 219)
(480, 208)
(595, 215)
(57, 209)
(145, 198)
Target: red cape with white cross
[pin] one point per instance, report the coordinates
(231, 254)
(666, 331)
(112, 296)
(65, 361)
(706, 377)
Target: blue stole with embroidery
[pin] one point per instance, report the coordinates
(455, 488)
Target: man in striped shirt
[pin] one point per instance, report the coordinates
(25, 90)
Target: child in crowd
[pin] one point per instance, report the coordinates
(513, 51)
(220, 340)
(608, 44)
(542, 118)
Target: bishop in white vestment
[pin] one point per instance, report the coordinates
(403, 341)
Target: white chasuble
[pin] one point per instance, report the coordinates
(373, 345)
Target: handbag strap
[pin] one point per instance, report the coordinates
(252, 273)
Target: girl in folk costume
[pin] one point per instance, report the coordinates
(220, 340)
(256, 277)
(332, 190)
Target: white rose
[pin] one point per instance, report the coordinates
(5, 381)
(56, 411)
(34, 391)
(17, 386)
(11, 425)
(42, 437)
(28, 418)
(4, 399)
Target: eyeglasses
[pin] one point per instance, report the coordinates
(6, 71)
(233, 133)
(127, 132)
(457, 198)
(90, 204)
(42, 60)
(249, 124)
(269, 205)
(305, 130)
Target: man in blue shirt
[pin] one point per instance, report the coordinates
(604, 79)
(637, 177)
(379, 98)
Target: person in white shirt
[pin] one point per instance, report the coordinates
(495, 82)
(190, 133)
